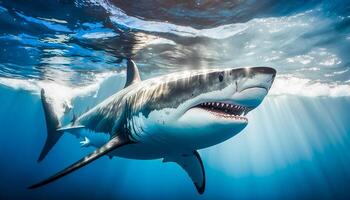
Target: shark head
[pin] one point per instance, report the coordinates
(201, 108)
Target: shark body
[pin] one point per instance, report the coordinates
(168, 117)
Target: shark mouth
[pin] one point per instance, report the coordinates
(225, 110)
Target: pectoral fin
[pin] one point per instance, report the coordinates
(70, 128)
(193, 165)
(114, 143)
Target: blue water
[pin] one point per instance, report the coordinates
(296, 144)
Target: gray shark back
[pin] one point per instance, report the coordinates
(107, 116)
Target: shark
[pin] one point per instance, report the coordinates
(168, 117)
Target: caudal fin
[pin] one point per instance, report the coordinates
(52, 124)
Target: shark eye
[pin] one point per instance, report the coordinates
(221, 77)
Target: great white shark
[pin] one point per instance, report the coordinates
(168, 117)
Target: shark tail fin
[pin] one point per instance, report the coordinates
(52, 124)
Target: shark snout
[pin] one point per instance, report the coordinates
(264, 70)
(253, 88)
(257, 77)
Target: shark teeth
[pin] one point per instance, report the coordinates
(226, 109)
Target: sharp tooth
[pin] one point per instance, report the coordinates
(222, 105)
(231, 106)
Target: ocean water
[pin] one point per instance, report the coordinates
(297, 142)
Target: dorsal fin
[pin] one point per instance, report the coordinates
(132, 73)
